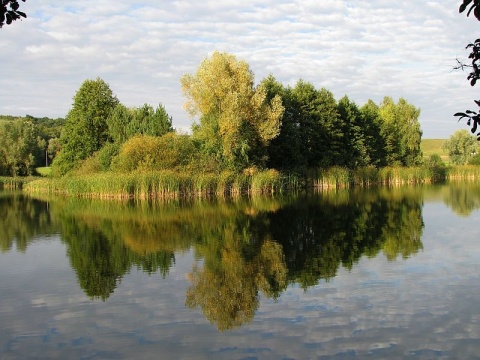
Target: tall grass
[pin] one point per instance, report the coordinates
(464, 173)
(163, 184)
(404, 175)
(7, 182)
(339, 177)
(334, 177)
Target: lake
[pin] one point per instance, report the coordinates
(378, 273)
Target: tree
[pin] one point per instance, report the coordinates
(124, 123)
(9, 12)
(319, 125)
(21, 148)
(86, 128)
(373, 137)
(285, 150)
(236, 120)
(460, 147)
(401, 130)
(473, 118)
(356, 152)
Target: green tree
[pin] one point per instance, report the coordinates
(401, 130)
(86, 128)
(461, 147)
(236, 121)
(373, 136)
(356, 152)
(285, 150)
(125, 123)
(21, 148)
(319, 125)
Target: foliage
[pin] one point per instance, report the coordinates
(125, 123)
(474, 159)
(21, 148)
(460, 147)
(9, 12)
(236, 121)
(318, 132)
(355, 147)
(437, 167)
(473, 118)
(86, 129)
(401, 130)
(144, 152)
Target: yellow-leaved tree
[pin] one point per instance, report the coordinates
(236, 122)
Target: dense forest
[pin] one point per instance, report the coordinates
(237, 126)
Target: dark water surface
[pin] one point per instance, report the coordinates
(389, 273)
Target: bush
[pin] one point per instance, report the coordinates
(474, 160)
(145, 152)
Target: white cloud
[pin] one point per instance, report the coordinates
(365, 49)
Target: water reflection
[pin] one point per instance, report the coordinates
(243, 248)
(22, 220)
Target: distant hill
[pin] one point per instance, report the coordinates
(433, 146)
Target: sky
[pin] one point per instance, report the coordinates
(365, 49)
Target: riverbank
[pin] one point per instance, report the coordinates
(170, 184)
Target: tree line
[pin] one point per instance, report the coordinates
(237, 126)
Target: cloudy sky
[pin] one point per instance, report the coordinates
(366, 49)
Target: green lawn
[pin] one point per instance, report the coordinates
(433, 146)
(44, 171)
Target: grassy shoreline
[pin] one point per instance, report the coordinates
(169, 184)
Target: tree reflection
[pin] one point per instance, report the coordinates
(320, 234)
(22, 220)
(463, 198)
(227, 290)
(244, 248)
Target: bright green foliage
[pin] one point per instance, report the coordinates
(86, 129)
(21, 148)
(143, 152)
(461, 147)
(125, 123)
(401, 130)
(236, 121)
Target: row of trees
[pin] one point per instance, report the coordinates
(239, 125)
(318, 131)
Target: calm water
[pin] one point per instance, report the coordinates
(361, 274)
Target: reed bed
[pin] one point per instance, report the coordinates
(404, 175)
(334, 177)
(170, 184)
(338, 177)
(463, 173)
(7, 182)
(162, 184)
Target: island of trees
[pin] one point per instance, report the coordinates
(245, 137)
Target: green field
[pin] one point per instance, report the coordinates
(44, 171)
(433, 146)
